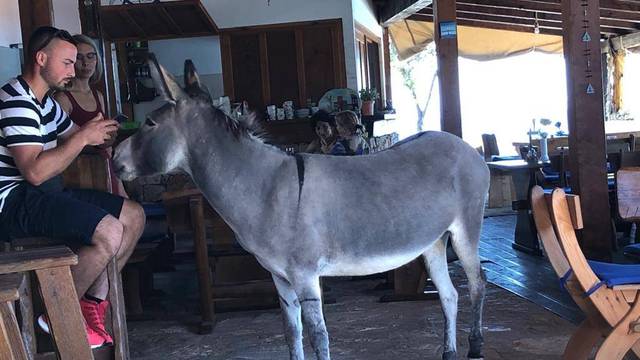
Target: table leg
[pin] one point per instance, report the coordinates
(202, 265)
(526, 236)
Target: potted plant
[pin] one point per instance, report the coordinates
(368, 97)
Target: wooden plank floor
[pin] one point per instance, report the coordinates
(528, 276)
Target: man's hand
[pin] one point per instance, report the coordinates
(98, 130)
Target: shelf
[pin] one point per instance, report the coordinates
(164, 20)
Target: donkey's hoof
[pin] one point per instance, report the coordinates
(449, 355)
(475, 356)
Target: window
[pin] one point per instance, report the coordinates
(368, 61)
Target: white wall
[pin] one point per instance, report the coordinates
(66, 15)
(9, 23)
(236, 13)
(205, 54)
(365, 15)
(203, 51)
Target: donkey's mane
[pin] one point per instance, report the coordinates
(245, 125)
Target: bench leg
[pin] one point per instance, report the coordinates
(582, 341)
(25, 306)
(12, 333)
(622, 338)
(202, 264)
(63, 309)
(118, 316)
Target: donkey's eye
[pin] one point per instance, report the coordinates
(149, 122)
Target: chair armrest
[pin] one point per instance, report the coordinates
(36, 259)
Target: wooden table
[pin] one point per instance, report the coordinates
(524, 178)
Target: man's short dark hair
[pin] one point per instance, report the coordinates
(42, 37)
(322, 115)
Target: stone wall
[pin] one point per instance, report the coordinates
(150, 188)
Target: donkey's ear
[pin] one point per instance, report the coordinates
(166, 85)
(191, 78)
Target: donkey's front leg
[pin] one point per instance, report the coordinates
(308, 290)
(291, 315)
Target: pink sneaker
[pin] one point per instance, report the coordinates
(102, 311)
(95, 317)
(95, 339)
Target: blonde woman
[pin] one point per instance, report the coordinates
(350, 135)
(82, 102)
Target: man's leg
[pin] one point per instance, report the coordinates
(90, 272)
(133, 220)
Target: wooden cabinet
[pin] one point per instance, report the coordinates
(274, 63)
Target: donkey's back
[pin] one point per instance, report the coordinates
(385, 209)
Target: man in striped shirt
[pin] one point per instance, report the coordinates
(37, 143)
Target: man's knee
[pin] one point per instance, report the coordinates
(132, 215)
(108, 235)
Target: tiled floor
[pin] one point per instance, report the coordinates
(528, 276)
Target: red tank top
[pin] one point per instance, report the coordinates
(80, 117)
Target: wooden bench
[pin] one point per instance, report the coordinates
(51, 266)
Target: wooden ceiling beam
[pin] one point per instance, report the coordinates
(523, 25)
(609, 9)
(469, 11)
(397, 10)
(490, 25)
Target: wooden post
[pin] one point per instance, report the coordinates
(587, 155)
(447, 48)
(33, 14)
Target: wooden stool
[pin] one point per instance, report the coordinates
(11, 344)
(51, 267)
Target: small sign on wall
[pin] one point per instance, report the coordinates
(448, 30)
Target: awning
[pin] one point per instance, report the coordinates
(411, 37)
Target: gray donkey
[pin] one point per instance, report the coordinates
(385, 209)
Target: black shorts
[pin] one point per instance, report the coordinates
(69, 215)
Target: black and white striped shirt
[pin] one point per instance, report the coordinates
(25, 121)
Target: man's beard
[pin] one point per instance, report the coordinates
(53, 85)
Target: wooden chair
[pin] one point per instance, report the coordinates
(234, 279)
(628, 204)
(607, 293)
(51, 268)
(89, 171)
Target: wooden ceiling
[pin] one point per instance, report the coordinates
(617, 17)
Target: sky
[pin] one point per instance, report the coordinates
(503, 97)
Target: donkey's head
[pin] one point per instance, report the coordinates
(159, 146)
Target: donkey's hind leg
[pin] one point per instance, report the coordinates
(435, 258)
(465, 241)
(291, 317)
(308, 290)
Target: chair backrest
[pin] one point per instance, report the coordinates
(618, 145)
(490, 146)
(88, 171)
(630, 159)
(628, 193)
(546, 232)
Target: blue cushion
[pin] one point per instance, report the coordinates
(616, 274)
(567, 190)
(153, 210)
(507, 157)
(633, 249)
